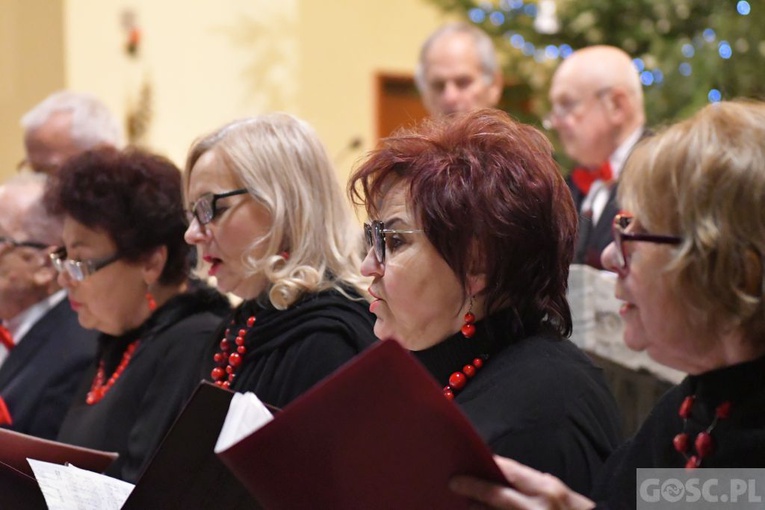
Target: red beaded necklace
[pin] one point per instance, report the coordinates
(704, 444)
(229, 360)
(98, 389)
(459, 379)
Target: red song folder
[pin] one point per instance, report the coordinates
(377, 434)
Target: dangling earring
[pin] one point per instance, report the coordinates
(150, 301)
(285, 255)
(468, 328)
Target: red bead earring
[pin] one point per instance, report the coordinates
(150, 301)
(468, 328)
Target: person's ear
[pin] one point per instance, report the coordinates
(495, 89)
(154, 264)
(476, 283)
(618, 104)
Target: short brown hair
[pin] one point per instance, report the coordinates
(491, 200)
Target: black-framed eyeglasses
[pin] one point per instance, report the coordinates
(10, 242)
(375, 233)
(560, 111)
(621, 222)
(206, 207)
(78, 270)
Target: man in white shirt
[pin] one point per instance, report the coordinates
(45, 350)
(598, 113)
(458, 70)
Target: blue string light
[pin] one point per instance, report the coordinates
(685, 69)
(709, 35)
(552, 51)
(517, 41)
(477, 15)
(646, 78)
(639, 64)
(743, 8)
(566, 50)
(714, 96)
(528, 49)
(688, 50)
(497, 18)
(724, 50)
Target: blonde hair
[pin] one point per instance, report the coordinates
(285, 167)
(704, 180)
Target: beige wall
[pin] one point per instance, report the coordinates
(31, 64)
(209, 61)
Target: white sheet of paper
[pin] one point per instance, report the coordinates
(246, 414)
(71, 488)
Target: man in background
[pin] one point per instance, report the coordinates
(43, 349)
(458, 70)
(65, 124)
(598, 113)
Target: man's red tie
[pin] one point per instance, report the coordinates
(584, 177)
(5, 415)
(6, 338)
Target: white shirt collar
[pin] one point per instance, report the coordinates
(23, 322)
(619, 156)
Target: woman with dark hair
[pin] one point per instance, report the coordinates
(125, 266)
(471, 237)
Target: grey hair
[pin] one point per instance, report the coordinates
(38, 224)
(93, 124)
(487, 54)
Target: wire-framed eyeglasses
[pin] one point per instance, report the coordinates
(375, 233)
(9, 242)
(78, 270)
(621, 222)
(206, 207)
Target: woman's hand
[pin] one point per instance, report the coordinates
(530, 490)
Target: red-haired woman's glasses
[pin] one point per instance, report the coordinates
(375, 233)
(621, 222)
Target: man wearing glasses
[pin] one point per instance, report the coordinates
(43, 349)
(65, 124)
(597, 110)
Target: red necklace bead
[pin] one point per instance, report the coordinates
(229, 361)
(704, 443)
(98, 389)
(459, 379)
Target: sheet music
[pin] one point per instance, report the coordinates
(71, 488)
(246, 414)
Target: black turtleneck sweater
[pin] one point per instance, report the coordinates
(137, 411)
(538, 399)
(288, 351)
(739, 440)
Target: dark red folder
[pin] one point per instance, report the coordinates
(377, 434)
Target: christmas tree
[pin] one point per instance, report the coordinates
(688, 52)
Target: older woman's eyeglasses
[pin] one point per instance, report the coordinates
(78, 270)
(7, 242)
(621, 222)
(375, 233)
(206, 207)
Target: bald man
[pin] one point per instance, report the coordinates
(598, 113)
(458, 70)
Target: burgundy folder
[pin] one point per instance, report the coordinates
(377, 434)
